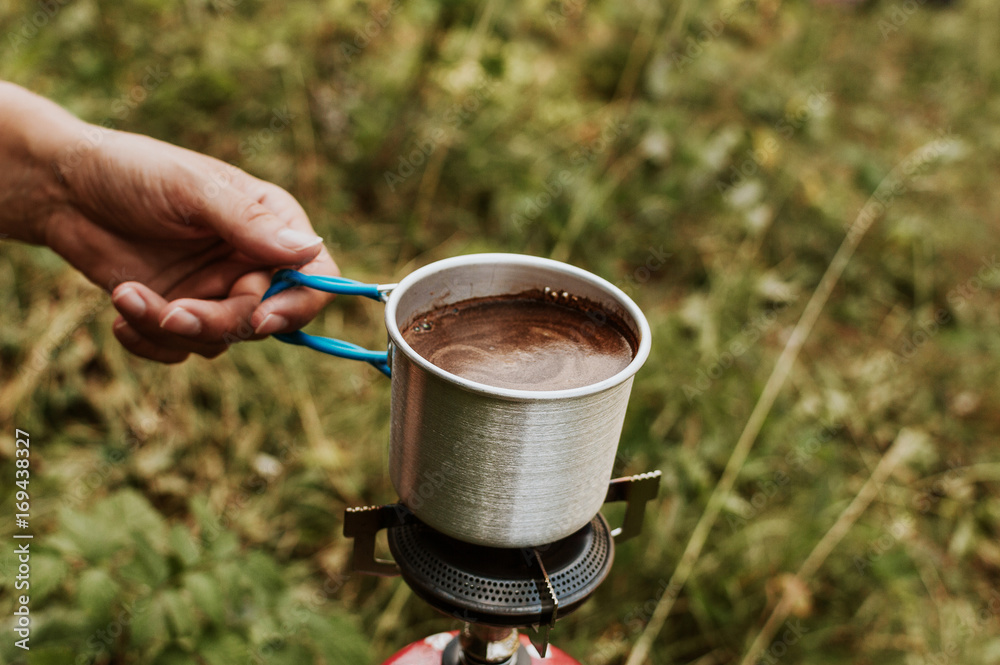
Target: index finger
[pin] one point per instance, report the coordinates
(294, 308)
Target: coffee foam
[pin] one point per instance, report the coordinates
(534, 340)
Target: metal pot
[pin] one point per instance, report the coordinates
(487, 465)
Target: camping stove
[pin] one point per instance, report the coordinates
(496, 591)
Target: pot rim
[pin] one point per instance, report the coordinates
(396, 336)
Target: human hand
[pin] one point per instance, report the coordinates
(193, 241)
(185, 243)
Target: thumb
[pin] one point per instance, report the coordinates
(265, 232)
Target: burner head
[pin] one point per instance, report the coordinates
(500, 586)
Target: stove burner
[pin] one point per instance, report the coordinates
(499, 586)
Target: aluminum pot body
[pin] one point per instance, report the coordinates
(496, 466)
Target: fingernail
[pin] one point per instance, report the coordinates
(181, 322)
(130, 302)
(297, 240)
(272, 323)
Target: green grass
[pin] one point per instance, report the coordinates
(197, 509)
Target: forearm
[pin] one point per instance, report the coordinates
(35, 137)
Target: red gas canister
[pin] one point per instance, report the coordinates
(429, 650)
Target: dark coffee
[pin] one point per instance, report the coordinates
(528, 341)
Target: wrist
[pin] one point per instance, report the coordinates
(35, 135)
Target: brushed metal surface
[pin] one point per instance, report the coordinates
(494, 466)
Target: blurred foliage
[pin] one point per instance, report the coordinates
(118, 578)
(708, 157)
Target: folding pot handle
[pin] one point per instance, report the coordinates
(286, 279)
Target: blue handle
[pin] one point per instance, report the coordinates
(286, 279)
